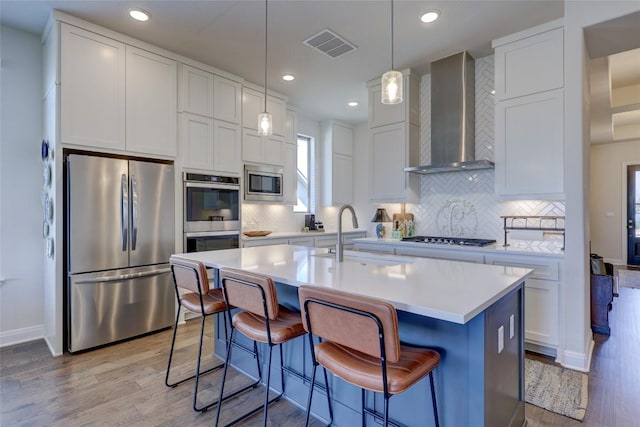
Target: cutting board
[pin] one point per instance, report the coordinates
(402, 216)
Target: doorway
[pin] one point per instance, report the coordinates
(633, 215)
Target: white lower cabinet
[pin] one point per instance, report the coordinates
(264, 242)
(302, 241)
(312, 241)
(541, 322)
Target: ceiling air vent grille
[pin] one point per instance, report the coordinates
(329, 43)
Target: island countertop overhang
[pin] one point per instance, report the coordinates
(446, 290)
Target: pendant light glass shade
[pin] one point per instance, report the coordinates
(265, 121)
(391, 80)
(392, 87)
(265, 124)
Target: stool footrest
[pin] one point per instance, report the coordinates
(253, 411)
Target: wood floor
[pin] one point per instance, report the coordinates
(123, 384)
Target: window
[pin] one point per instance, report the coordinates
(304, 174)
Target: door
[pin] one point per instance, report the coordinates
(633, 215)
(152, 212)
(97, 214)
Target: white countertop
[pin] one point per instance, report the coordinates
(516, 247)
(287, 234)
(447, 290)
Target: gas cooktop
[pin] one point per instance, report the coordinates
(461, 241)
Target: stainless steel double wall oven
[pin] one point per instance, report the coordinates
(211, 212)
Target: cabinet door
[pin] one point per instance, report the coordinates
(439, 254)
(541, 312)
(92, 83)
(196, 141)
(530, 133)
(530, 65)
(290, 189)
(251, 146)
(342, 140)
(196, 91)
(385, 114)
(227, 100)
(278, 109)
(342, 180)
(252, 105)
(151, 103)
(227, 147)
(388, 179)
(291, 127)
(273, 150)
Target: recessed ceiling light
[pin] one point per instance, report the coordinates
(352, 103)
(288, 77)
(139, 15)
(430, 16)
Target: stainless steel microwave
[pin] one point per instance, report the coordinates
(263, 183)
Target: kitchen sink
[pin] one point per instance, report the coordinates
(367, 258)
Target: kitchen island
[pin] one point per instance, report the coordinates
(471, 314)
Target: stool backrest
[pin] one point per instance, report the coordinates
(350, 320)
(190, 275)
(245, 290)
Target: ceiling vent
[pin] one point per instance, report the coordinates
(329, 43)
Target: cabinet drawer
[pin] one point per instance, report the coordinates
(378, 249)
(542, 269)
(264, 242)
(302, 241)
(448, 255)
(325, 242)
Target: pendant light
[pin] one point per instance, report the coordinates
(265, 121)
(392, 80)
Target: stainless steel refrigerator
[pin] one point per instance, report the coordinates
(120, 234)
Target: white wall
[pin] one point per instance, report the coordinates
(21, 213)
(608, 198)
(577, 339)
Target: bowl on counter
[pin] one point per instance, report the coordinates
(256, 233)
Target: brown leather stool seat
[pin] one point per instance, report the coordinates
(261, 319)
(360, 344)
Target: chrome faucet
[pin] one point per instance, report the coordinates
(339, 245)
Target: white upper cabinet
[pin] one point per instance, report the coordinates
(227, 100)
(196, 141)
(290, 153)
(529, 114)
(529, 146)
(151, 103)
(196, 91)
(253, 104)
(337, 167)
(92, 89)
(291, 126)
(227, 149)
(262, 149)
(395, 143)
(529, 65)
(385, 114)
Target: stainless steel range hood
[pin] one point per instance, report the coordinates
(452, 117)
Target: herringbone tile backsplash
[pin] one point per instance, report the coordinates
(464, 203)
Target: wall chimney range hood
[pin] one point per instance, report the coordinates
(452, 117)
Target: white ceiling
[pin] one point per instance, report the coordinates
(229, 35)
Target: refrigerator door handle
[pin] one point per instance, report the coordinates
(124, 276)
(124, 211)
(134, 212)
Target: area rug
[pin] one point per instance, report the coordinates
(556, 389)
(629, 278)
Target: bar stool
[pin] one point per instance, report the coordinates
(261, 320)
(359, 343)
(192, 276)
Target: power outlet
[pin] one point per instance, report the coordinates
(511, 327)
(500, 339)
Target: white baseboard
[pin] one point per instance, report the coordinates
(615, 261)
(579, 361)
(17, 336)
